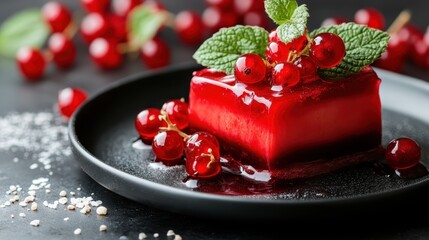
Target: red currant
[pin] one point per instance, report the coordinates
(31, 63)
(243, 6)
(194, 141)
(189, 27)
(285, 74)
(147, 124)
(155, 5)
(215, 18)
(403, 153)
(398, 43)
(123, 7)
(94, 25)
(277, 52)
(414, 35)
(327, 50)
(307, 68)
(250, 68)
(69, 99)
(390, 60)
(333, 21)
(273, 37)
(100, 6)
(420, 52)
(105, 53)
(155, 53)
(256, 18)
(118, 25)
(298, 44)
(63, 50)
(168, 146)
(370, 17)
(202, 156)
(57, 15)
(223, 4)
(177, 111)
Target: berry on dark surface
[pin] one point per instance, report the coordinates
(189, 27)
(177, 111)
(202, 155)
(147, 124)
(403, 153)
(105, 53)
(57, 15)
(69, 99)
(370, 17)
(168, 146)
(63, 50)
(31, 63)
(155, 53)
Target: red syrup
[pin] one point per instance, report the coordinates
(417, 171)
(237, 179)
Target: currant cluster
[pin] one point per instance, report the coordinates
(165, 130)
(105, 29)
(408, 43)
(286, 64)
(61, 50)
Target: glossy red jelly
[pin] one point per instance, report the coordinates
(304, 131)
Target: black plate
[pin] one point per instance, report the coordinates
(102, 134)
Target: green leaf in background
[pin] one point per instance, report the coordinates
(25, 28)
(280, 11)
(221, 51)
(364, 45)
(144, 22)
(294, 27)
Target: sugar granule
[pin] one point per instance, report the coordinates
(40, 133)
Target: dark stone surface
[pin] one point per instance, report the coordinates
(128, 218)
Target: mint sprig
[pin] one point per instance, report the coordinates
(295, 26)
(280, 11)
(144, 22)
(364, 45)
(221, 51)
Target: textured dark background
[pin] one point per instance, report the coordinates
(127, 218)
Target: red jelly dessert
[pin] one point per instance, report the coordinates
(297, 105)
(300, 104)
(294, 133)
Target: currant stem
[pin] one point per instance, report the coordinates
(127, 48)
(171, 126)
(309, 41)
(212, 157)
(71, 30)
(400, 21)
(48, 55)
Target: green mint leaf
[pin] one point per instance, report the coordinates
(144, 22)
(25, 28)
(221, 51)
(294, 27)
(364, 45)
(280, 11)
